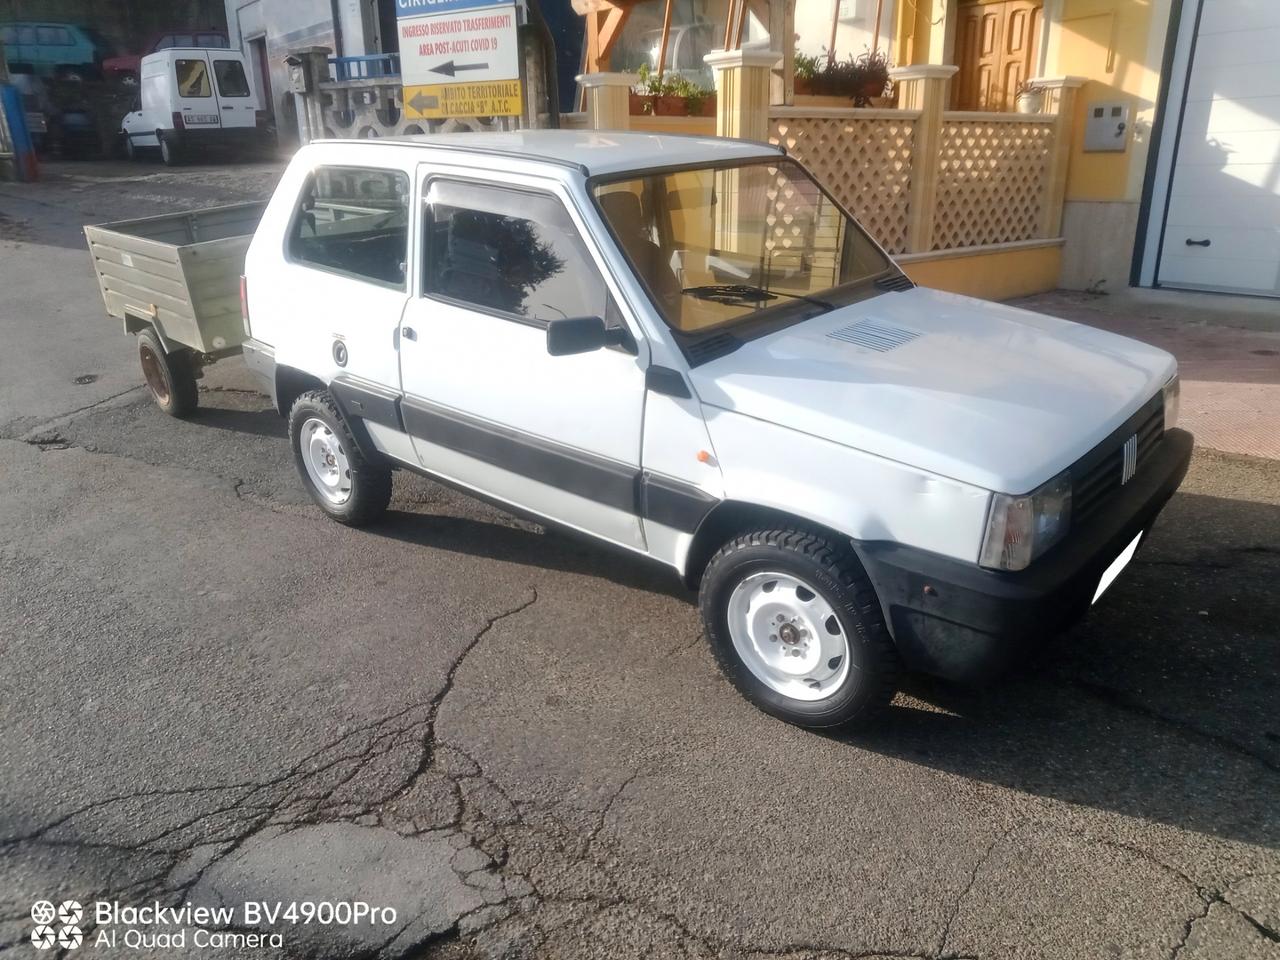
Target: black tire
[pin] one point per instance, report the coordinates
(833, 571)
(171, 377)
(130, 151)
(370, 489)
(170, 152)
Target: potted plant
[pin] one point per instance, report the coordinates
(860, 79)
(670, 96)
(806, 66)
(1029, 98)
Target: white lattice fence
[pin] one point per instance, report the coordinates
(862, 156)
(992, 179)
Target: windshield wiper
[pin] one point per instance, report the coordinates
(736, 294)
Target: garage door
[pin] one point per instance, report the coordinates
(1222, 228)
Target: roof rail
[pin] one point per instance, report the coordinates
(463, 148)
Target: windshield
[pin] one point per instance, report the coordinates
(716, 246)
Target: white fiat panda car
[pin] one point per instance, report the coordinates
(688, 349)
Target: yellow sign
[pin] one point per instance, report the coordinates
(495, 98)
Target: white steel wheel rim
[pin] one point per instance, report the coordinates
(788, 636)
(326, 461)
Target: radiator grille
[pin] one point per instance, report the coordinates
(1104, 475)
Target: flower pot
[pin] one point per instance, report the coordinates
(1030, 102)
(639, 104)
(668, 106)
(803, 86)
(705, 109)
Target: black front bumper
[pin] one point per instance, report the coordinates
(964, 622)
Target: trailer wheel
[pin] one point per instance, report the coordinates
(170, 376)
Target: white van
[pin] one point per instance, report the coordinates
(192, 97)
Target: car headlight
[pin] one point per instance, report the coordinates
(1172, 402)
(1021, 528)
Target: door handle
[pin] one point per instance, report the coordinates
(228, 108)
(409, 333)
(1198, 243)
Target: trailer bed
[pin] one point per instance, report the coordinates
(178, 272)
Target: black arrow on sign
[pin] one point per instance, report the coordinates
(449, 68)
(421, 101)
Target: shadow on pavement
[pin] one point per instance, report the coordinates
(1161, 705)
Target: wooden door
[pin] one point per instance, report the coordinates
(997, 42)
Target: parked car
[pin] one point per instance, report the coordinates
(126, 67)
(857, 474)
(193, 98)
(63, 50)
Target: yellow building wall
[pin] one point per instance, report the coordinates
(1118, 45)
(998, 275)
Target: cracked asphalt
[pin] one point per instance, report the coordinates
(519, 741)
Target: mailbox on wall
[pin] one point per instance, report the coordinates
(1106, 128)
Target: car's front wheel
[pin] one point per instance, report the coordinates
(795, 625)
(345, 485)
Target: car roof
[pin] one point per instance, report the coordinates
(595, 152)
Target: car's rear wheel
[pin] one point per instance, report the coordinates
(171, 377)
(169, 151)
(795, 625)
(130, 150)
(345, 485)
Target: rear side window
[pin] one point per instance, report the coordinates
(510, 252)
(212, 40)
(27, 35)
(193, 78)
(354, 221)
(54, 36)
(231, 79)
(8, 35)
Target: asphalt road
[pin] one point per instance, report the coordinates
(519, 741)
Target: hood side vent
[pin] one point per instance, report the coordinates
(710, 348)
(875, 335)
(898, 281)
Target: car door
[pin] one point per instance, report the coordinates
(343, 282)
(485, 403)
(236, 103)
(193, 86)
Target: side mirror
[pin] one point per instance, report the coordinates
(569, 335)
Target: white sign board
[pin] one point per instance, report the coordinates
(469, 45)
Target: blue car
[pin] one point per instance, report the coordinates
(64, 50)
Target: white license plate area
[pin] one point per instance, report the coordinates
(1119, 563)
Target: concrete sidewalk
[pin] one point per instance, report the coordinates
(1230, 369)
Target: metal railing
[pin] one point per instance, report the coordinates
(376, 66)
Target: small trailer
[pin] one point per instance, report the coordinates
(173, 280)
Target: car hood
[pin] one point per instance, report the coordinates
(987, 394)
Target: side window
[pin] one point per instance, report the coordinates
(27, 36)
(193, 78)
(354, 221)
(231, 79)
(165, 42)
(8, 36)
(509, 251)
(183, 40)
(53, 36)
(212, 40)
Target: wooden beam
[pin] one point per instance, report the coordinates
(609, 29)
(666, 33)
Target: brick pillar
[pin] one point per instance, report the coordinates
(923, 87)
(1060, 102)
(607, 93)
